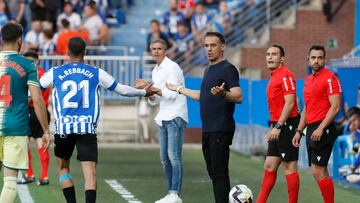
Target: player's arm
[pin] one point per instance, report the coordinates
(300, 129)
(290, 100)
(335, 102)
(108, 82)
(40, 111)
(193, 94)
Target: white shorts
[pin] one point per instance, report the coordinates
(13, 152)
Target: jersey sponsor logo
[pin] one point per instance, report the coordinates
(76, 119)
(70, 71)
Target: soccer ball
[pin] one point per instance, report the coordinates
(240, 194)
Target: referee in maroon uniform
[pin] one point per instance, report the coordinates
(284, 117)
(322, 95)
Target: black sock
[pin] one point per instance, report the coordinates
(90, 196)
(69, 194)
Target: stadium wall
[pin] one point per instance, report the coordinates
(310, 28)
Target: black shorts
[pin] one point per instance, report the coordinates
(283, 147)
(86, 146)
(319, 151)
(36, 130)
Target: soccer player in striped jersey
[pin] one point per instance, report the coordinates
(76, 110)
(18, 75)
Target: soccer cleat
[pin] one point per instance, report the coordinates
(26, 180)
(44, 181)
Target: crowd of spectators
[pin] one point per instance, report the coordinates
(49, 24)
(195, 18)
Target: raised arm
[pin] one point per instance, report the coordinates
(193, 94)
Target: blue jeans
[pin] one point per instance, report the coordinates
(171, 140)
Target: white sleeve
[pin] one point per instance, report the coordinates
(108, 82)
(155, 101)
(47, 79)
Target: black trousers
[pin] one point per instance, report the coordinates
(215, 147)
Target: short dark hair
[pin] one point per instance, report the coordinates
(31, 54)
(353, 111)
(68, 3)
(216, 34)
(155, 21)
(317, 47)
(282, 50)
(65, 23)
(77, 46)
(92, 5)
(158, 40)
(10, 32)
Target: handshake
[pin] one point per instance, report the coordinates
(148, 87)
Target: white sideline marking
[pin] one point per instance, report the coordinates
(126, 194)
(24, 194)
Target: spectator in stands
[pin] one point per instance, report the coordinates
(156, 34)
(184, 43)
(358, 99)
(48, 46)
(98, 30)
(187, 7)
(171, 18)
(211, 6)
(43, 10)
(222, 18)
(16, 10)
(73, 17)
(3, 18)
(103, 8)
(65, 35)
(35, 37)
(78, 5)
(354, 125)
(199, 22)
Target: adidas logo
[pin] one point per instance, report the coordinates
(283, 155)
(318, 158)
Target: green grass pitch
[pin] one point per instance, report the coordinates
(140, 172)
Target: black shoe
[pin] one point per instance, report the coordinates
(26, 180)
(41, 182)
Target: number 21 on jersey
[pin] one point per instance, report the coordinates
(75, 89)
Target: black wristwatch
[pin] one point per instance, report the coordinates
(277, 126)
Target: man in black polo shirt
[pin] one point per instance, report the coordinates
(219, 92)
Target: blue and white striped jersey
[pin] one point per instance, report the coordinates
(75, 96)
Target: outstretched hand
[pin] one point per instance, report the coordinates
(173, 87)
(218, 91)
(151, 90)
(140, 83)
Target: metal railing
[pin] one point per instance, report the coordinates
(247, 23)
(125, 69)
(107, 50)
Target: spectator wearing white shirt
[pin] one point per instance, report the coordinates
(35, 37)
(68, 14)
(171, 118)
(98, 30)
